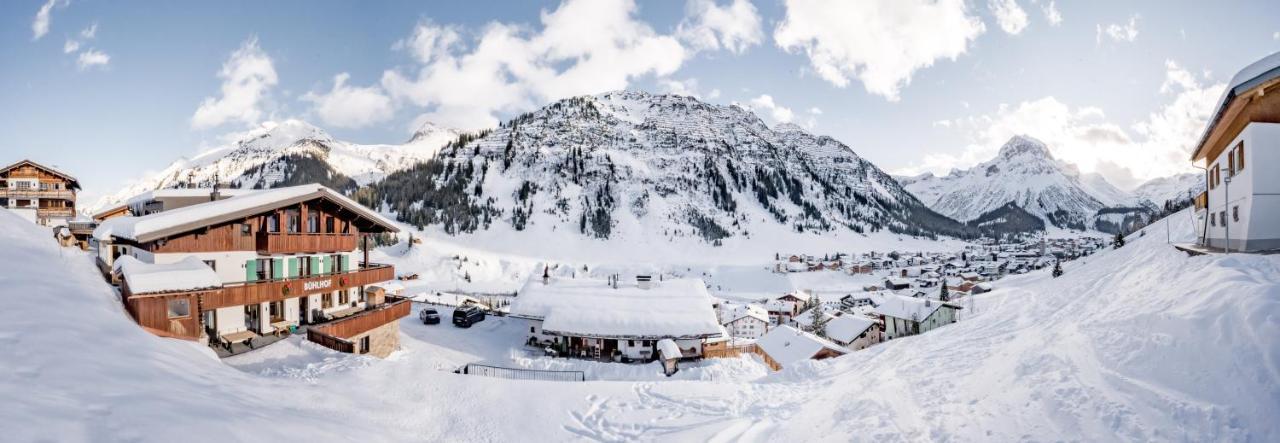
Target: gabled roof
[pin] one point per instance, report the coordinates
(1256, 74)
(168, 223)
(74, 183)
(846, 328)
(787, 345)
(672, 308)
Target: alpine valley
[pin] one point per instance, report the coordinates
(632, 165)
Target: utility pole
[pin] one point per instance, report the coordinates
(1226, 201)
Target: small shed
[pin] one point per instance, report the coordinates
(669, 353)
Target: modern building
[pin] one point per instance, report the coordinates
(904, 316)
(1240, 148)
(281, 259)
(616, 320)
(39, 193)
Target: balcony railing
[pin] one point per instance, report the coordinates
(337, 334)
(287, 243)
(37, 193)
(55, 212)
(264, 291)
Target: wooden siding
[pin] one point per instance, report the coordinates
(219, 238)
(348, 327)
(280, 243)
(1261, 104)
(239, 294)
(314, 335)
(152, 313)
(37, 193)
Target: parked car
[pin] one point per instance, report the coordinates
(466, 316)
(429, 316)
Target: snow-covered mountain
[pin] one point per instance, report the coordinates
(634, 164)
(1026, 174)
(291, 152)
(1179, 187)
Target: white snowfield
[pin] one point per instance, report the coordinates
(1137, 344)
(189, 274)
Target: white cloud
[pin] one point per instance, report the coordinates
(1160, 144)
(1276, 36)
(815, 111)
(247, 76)
(40, 25)
(92, 58)
(73, 45)
(70, 46)
(1051, 13)
(583, 47)
(90, 32)
(1011, 18)
(879, 42)
(351, 107)
(734, 27)
(765, 104)
(1119, 32)
(687, 87)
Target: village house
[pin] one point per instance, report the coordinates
(786, 346)
(897, 283)
(38, 193)
(1240, 207)
(616, 320)
(230, 271)
(904, 316)
(744, 320)
(853, 331)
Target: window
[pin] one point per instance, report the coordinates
(1235, 214)
(531, 331)
(364, 345)
(334, 263)
(294, 220)
(264, 269)
(1240, 156)
(245, 230)
(326, 301)
(179, 308)
(329, 225)
(313, 222)
(343, 297)
(212, 264)
(1222, 217)
(22, 185)
(273, 223)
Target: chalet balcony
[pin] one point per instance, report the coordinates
(55, 212)
(246, 293)
(61, 194)
(337, 334)
(298, 242)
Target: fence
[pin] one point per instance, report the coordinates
(725, 351)
(522, 374)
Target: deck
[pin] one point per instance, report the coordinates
(1195, 249)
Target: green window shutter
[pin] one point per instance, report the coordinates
(251, 270)
(324, 264)
(343, 263)
(315, 266)
(277, 268)
(294, 270)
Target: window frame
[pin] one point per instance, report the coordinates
(184, 302)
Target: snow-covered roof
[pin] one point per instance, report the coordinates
(736, 312)
(668, 348)
(1257, 73)
(787, 345)
(184, 192)
(187, 275)
(909, 308)
(674, 308)
(846, 328)
(75, 183)
(151, 227)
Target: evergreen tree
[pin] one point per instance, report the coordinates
(1118, 241)
(944, 295)
(819, 324)
(1057, 269)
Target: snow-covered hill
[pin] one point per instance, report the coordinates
(1180, 187)
(1026, 174)
(1137, 344)
(656, 167)
(291, 152)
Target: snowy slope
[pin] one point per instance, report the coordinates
(1025, 173)
(1178, 187)
(269, 155)
(655, 167)
(1137, 344)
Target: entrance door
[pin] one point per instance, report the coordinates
(303, 309)
(253, 317)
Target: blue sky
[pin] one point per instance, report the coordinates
(111, 90)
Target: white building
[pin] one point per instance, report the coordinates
(744, 321)
(905, 316)
(1240, 148)
(603, 319)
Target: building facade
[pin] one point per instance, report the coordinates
(40, 193)
(284, 258)
(1240, 207)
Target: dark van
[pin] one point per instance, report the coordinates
(466, 316)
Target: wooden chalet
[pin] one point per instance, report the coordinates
(43, 194)
(284, 260)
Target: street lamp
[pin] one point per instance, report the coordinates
(1226, 201)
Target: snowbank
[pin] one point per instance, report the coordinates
(189, 274)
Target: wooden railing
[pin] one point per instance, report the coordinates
(337, 335)
(37, 193)
(55, 212)
(246, 293)
(372, 317)
(286, 243)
